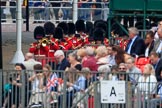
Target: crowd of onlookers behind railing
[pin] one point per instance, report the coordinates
(45, 85)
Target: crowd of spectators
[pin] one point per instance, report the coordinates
(86, 63)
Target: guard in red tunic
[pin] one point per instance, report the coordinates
(71, 34)
(63, 44)
(99, 35)
(40, 48)
(49, 32)
(65, 29)
(80, 28)
(53, 45)
(103, 25)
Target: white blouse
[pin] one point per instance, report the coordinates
(147, 86)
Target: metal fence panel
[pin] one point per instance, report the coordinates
(23, 94)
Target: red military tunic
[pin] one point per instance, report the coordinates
(40, 52)
(84, 37)
(77, 43)
(64, 45)
(39, 49)
(69, 41)
(53, 46)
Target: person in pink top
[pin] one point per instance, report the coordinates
(90, 61)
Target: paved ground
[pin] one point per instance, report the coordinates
(9, 42)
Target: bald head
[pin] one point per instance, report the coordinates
(29, 56)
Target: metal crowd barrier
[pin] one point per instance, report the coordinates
(102, 92)
(36, 13)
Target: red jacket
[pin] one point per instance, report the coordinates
(39, 49)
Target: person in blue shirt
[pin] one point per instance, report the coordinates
(75, 84)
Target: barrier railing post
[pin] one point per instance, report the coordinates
(96, 96)
(75, 11)
(23, 89)
(1, 87)
(64, 91)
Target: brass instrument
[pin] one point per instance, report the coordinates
(44, 42)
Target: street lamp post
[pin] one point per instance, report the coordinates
(18, 57)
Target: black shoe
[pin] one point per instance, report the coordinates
(14, 21)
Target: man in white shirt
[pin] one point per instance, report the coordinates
(30, 62)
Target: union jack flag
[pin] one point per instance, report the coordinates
(52, 82)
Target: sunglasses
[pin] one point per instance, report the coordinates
(122, 68)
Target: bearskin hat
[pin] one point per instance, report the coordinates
(102, 24)
(98, 34)
(71, 28)
(89, 27)
(64, 27)
(80, 26)
(49, 28)
(39, 32)
(58, 33)
(97, 22)
(91, 37)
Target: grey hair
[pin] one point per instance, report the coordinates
(104, 69)
(133, 30)
(89, 51)
(59, 53)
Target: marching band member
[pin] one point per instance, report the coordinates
(40, 48)
(71, 32)
(65, 29)
(99, 35)
(63, 44)
(103, 25)
(49, 31)
(52, 42)
(80, 28)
